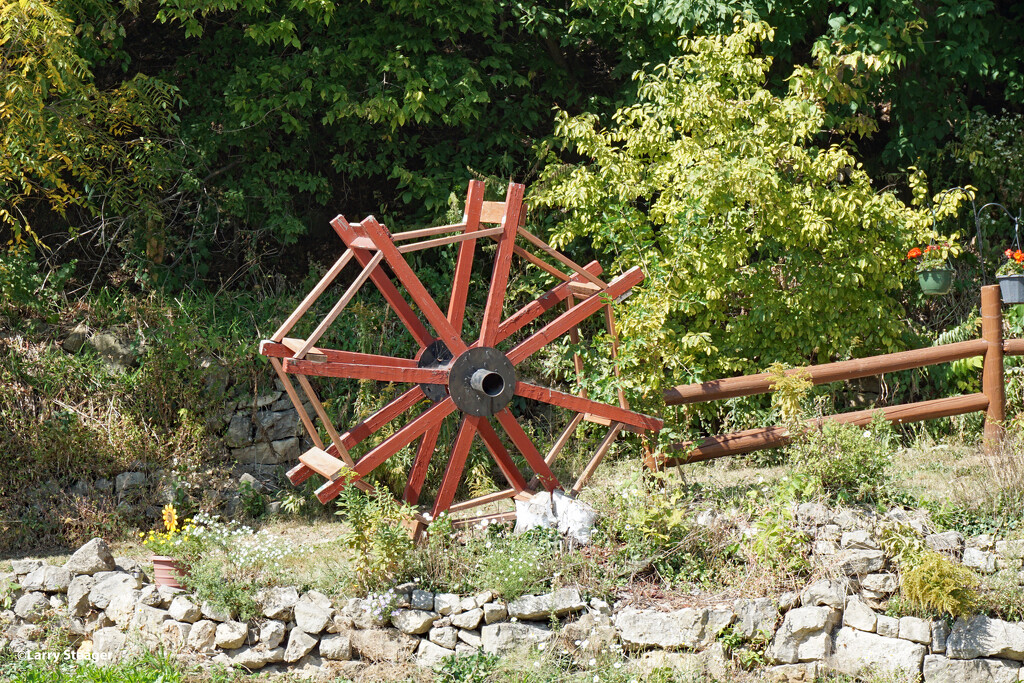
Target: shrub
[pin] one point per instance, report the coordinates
(377, 535)
(940, 584)
(845, 461)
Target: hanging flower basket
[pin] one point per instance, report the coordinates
(935, 282)
(167, 571)
(1011, 288)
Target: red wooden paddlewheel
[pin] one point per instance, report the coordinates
(471, 380)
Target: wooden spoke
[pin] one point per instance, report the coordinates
(368, 270)
(464, 264)
(522, 441)
(456, 463)
(284, 350)
(419, 466)
(500, 455)
(382, 417)
(502, 264)
(563, 323)
(469, 237)
(536, 308)
(311, 298)
(380, 373)
(602, 450)
(585, 405)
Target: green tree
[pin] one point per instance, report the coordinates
(72, 148)
(759, 244)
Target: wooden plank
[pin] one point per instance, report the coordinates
(492, 212)
(464, 262)
(751, 440)
(311, 298)
(533, 310)
(1013, 347)
(382, 417)
(275, 350)
(297, 403)
(560, 257)
(583, 289)
(456, 464)
(380, 373)
(467, 522)
(299, 474)
(609, 321)
(418, 473)
(387, 289)
(364, 243)
(602, 450)
(823, 374)
(502, 264)
(314, 354)
(323, 464)
(325, 419)
(500, 454)
(521, 441)
(560, 325)
(540, 263)
(416, 290)
(585, 405)
(482, 500)
(453, 239)
(428, 232)
(559, 444)
(333, 314)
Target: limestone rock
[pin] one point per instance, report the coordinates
(128, 481)
(183, 609)
(938, 669)
(214, 612)
(121, 609)
(254, 658)
(413, 621)
(858, 540)
(888, 627)
(915, 630)
(860, 562)
(948, 542)
(447, 603)
(421, 599)
(278, 602)
(272, 633)
(857, 653)
(505, 637)
(78, 595)
(880, 583)
(109, 585)
(981, 636)
(92, 557)
(108, 644)
(310, 616)
(239, 432)
(469, 619)
(231, 634)
(572, 518)
(859, 616)
(429, 654)
(202, 637)
(299, 645)
(336, 647)
(667, 630)
(446, 637)
(982, 560)
(174, 634)
(806, 672)
(383, 645)
(32, 606)
(149, 622)
(825, 593)
(560, 602)
(49, 579)
(494, 611)
(804, 635)
(471, 638)
(940, 634)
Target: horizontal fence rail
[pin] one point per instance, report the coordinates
(991, 400)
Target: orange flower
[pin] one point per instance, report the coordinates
(1009, 253)
(930, 247)
(914, 253)
(1018, 256)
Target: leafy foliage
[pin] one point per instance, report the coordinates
(758, 244)
(845, 461)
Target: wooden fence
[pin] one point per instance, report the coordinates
(991, 400)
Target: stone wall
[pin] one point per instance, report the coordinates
(110, 610)
(265, 430)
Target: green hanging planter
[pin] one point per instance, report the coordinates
(936, 282)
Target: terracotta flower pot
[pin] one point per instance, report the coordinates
(167, 571)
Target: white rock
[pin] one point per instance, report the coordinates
(429, 654)
(559, 603)
(667, 630)
(888, 627)
(214, 612)
(277, 602)
(940, 634)
(857, 653)
(231, 634)
(858, 540)
(825, 593)
(32, 607)
(336, 647)
(446, 637)
(447, 603)
(757, 616)
(183, 609)
(860, 562)
(859, 616)
(78, 595)
(505, 637)
(494, 611)
(23, 567)
(938, 669)
(92, 557)
(310, 616)
(299, 645)
(421, 599)
(272, 633)
(915, 630)
(110, 585)
(472, 639)
(149, 621)
(981, 636)
(880, 583)
(982, 560)
(49, 579)
(804, 635)
(469, 619)
(174, 634)
(202, 637)
(108, 644)
(413, 621)
(121, 609)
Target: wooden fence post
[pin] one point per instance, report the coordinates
(992, 372)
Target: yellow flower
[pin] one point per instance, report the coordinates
(170, 518)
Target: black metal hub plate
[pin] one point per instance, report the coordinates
(482, 381)
(435, 356)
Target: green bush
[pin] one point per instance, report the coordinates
(845, 461)
(940, 584)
